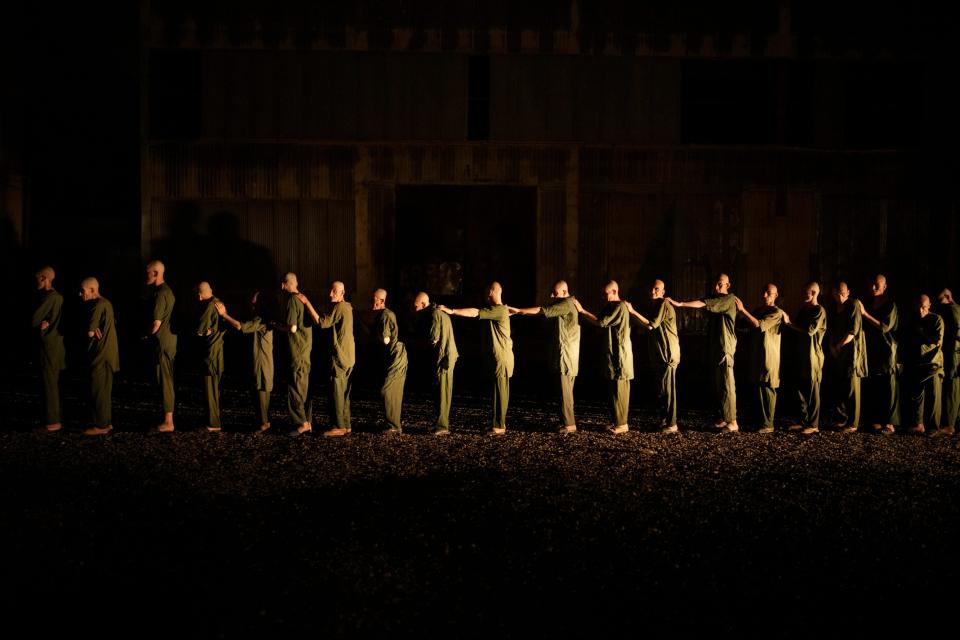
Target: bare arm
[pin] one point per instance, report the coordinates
(155, 327)
(306, 303)
(692, 304)
(526, 311)
(468, 312)
(636, 314)
(866, 316)
(746, 314)
(222, 310)
(589, 316)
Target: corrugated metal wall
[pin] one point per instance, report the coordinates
(329, 95)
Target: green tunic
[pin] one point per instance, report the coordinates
(163, 301)
(765, 343)
(950, 313)
(852, 360)
(812, 322)
(497, 345)
(441, 336)
(301, 341)
(395, 351)
(343, 355)
(103, 352)
(210, 330)
(663, 343)
(52, 354)
(103, 358)
(615, 318)
(881, 344)
(262, 352)
(721, 337)
(927, 358)
(565, 336)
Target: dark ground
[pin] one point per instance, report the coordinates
(529, 535)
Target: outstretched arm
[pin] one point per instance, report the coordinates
(222, 310)
(746, 314)
(468, 312)
(636, 314)
(692, 304)
(589, 316)
(306, 303)
(525, 311)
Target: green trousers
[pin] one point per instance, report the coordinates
(619, 391)
(165, 380)
(392, 394)
(101, 395)
(884, 397)
(925, 401)
(768, 403)
(848, 400)
(564, 390)
(950, 397)
(212, 389)
(341, 382)
(298, 403)
(261, 405)
(51, 393)
(667, 395)
(501, 400)
(809, 396)
(444, 397)
(726, 389)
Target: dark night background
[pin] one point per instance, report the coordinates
(431, 145)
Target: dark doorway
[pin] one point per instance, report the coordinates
(453, 241)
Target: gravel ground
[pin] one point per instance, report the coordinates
(530, 534)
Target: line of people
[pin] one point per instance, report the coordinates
(861, 340)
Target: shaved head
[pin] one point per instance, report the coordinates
(44, 277)
(811, 291)
(770, 294)
(289, 282)
(945, 297)
(879, 285)
(560, 289)
(722, 285)
(337, 291)
(611, 291)
(204, 290)
(155, 271)
(658, 289)
(923, 302)
(90, 289)
(379, 299)
(422, 301)
(495, 293)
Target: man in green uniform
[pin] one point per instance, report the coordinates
(262, 355)
(52, 356)
(103, 355)
(563, 316)
(342, 356)
(811, 326)
(210, 331)
(881, 321)
(615, 318)
(440, 336)
(925, 362)
(161, 303)
(721, 347)
(300, 338)
(849, 350)
(395, 361)
(497, 348)
(768, 320)
(663, 348)
(950, 312)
